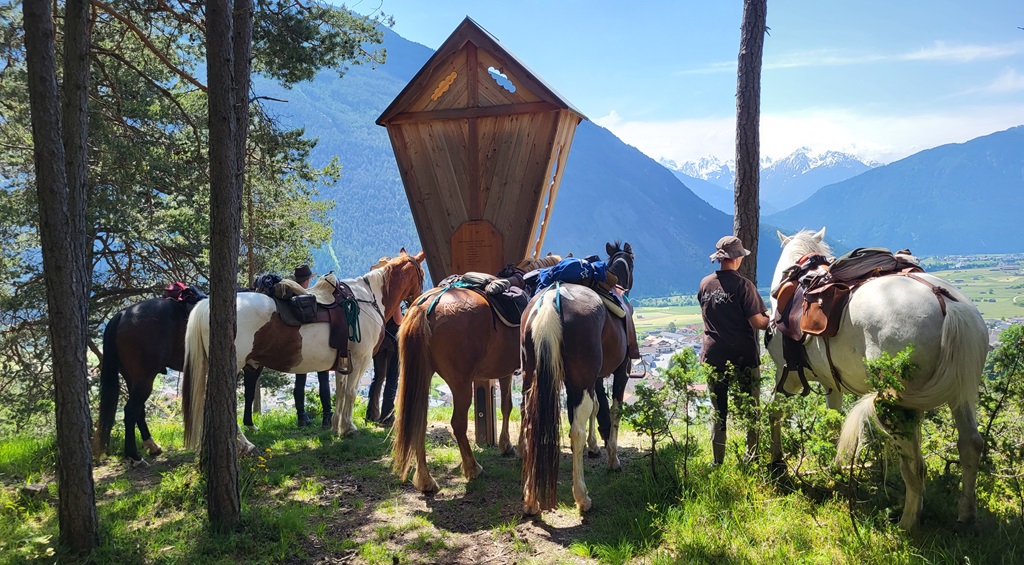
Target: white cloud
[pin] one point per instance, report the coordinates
(883, 138)
(940, 51)
(1008, 81)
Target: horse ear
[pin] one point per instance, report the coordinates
(627, 248)
(419, 257)
(611, 250)
(820, 235)
(549, 254)
(402, 252)
(569, 255)
(782, 237)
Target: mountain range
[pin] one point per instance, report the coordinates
(611, 190)
(783, 183)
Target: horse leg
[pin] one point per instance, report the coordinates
(147, 438)
(250, 380)
(137, 396)
(504, 443)
(970, 444)
(908, 444)
(461, 399)
(245, 447)
(600, 421)
(619, 382)
(834, 399)
(580, 416)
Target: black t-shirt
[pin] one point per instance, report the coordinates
(727, 301)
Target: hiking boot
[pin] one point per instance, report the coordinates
(304, 420)
(387, 422)
(328, 417)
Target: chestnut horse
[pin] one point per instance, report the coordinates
(570, 338)
(462, 340)
(262, 339)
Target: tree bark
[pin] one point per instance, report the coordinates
(61, 188)
(219, 459)
(746, 221)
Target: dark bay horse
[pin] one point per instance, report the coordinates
(461, 339)
(140, 341)
(262, 339)
(570, 339)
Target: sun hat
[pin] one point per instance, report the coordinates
(729, 247)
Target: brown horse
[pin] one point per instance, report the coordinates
(461, 339)
(570, 338)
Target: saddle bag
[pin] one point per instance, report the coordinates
(305, 307)
(824, 309)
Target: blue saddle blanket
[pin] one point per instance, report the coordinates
(572, 270)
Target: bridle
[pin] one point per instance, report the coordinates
(624, 258)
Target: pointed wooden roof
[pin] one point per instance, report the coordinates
(471, 32)
(481, 144)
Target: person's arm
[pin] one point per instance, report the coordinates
(759, 321)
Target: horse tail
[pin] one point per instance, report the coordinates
(110, 387)
(851, 438)
(962, 351)
(193, 380)
(540, 463)
(413, 389)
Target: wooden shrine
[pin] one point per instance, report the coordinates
(481, 144)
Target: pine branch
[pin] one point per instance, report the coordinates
(149, 44)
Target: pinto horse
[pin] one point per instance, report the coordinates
(885, 315)
(570, 338)
(262, 339)
(140, 341)
(461, 339)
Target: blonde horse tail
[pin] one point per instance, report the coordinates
(962, 351)
(851, 438)
(540, 465)
(193, 381)
(415, 372)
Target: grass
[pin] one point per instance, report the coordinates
(650, 317)
(311, 496)
(998, 294)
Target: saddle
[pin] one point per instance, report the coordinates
(505, 295)
(329, 301)
(814, 293)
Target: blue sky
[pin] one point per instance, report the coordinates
(879, 79)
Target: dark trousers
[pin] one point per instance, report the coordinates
(299, 394)
(748, 380)
(385, 375)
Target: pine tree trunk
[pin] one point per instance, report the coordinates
(61, 188)
(746, 222)
(219, 459)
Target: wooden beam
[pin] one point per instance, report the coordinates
(466, 113)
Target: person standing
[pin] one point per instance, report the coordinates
(385, 372)
(733, 312)
(302, 275)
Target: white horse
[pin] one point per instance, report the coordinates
(262, 339)
(885, 315)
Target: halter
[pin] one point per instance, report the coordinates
(621, 256)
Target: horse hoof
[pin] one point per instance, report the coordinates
(531, 509)
(594, 454)
(428, 487)
(136, 464)
(350, 433)
(252, 428)
(966, 529)
(510, 452)
(585, 506)
(615, 466)
(153, 447)
(475, 472)
(777, 469)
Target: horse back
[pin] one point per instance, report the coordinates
(151, 337)
(467, 339)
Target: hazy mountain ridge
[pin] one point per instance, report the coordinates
(955, 198)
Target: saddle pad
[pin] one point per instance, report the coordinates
(613, 306)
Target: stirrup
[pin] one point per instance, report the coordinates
(345, 365)
(643, 364)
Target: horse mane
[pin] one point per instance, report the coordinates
(803, 242)
(530, 264)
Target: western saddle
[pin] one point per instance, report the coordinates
(814, 293)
